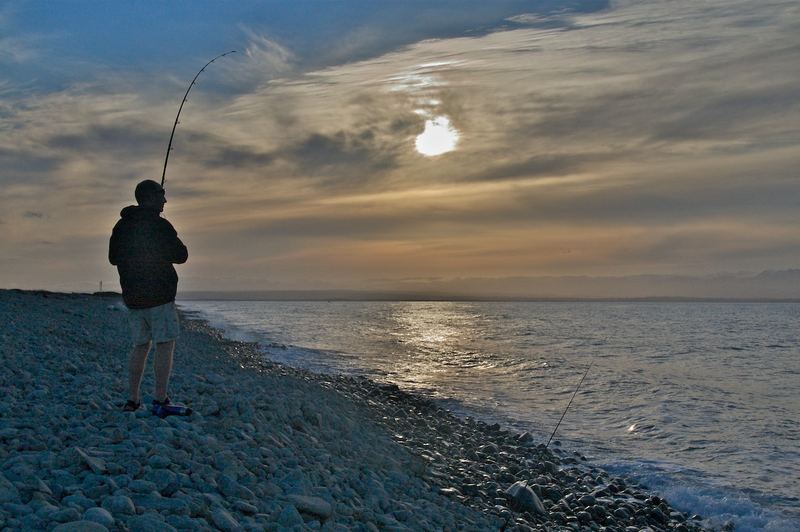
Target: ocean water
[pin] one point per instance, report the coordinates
(698, 401)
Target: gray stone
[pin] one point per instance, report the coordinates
(622, 513)
(98, 465)
(245, 507)
(162, 504)
(99, 515)
(159, 462)
(311, 505)
(119, 505)
(8, 493)
(8, 433)
(33, 522)
(41, 487)
(80, 526)
(16, 509)
(228, 486)
(65, 516)
(142, 486)
(149, 523)
(181, 522)
(289, 517)
(225, 521)
(523, 499)
(163, 479)
(78, 500)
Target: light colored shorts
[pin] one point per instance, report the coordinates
(159, 324)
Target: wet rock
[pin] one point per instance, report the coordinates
(523, 499)
(622, 513)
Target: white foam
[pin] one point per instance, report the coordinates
(685, 491)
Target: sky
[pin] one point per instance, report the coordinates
(405, 145)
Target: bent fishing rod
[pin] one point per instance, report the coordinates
(177, 117)
(578, 387)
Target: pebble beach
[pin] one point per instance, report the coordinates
(269, 447)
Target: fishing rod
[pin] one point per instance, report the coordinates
(570, 403)
(175, 125)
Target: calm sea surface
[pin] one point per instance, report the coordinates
(698, 401)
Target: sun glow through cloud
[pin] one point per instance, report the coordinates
(439, 137)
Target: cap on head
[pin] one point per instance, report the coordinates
(146, 190)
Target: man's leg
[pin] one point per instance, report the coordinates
(163, 367)
(136, 370)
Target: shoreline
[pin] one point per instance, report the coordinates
(271, 447)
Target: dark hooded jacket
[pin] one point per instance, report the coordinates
(143, 247)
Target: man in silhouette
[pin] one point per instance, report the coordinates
(144, 247)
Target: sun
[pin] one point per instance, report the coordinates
(438, 137)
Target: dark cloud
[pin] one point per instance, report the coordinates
(337, 159)
(544, 166)
(236, 157)
(343, 159)
(23, 165)
(351, 226)
(728, 115)
(709, 98)
(125, 139)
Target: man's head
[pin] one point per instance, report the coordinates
(150, 195)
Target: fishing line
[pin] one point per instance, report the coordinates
(175, 125)
(570, 403)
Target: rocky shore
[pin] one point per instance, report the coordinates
(269, 447)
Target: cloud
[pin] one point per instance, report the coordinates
(128, 139)
(641, 138)
(18, 50)
(237, 157)
(26, 165)
(345, 157)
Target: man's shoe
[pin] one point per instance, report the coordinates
(165, 408)
(130, 406)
